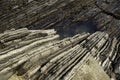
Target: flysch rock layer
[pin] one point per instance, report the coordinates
(40, 55)
(46, 14)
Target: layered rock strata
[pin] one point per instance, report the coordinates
(45, 14)
(33, 48)
(40, 55)
(39, 14)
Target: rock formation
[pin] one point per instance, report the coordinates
(39, 53)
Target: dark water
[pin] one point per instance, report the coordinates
(68, 28)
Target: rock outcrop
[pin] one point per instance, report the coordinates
(17, 46)
(39, 14)
(40, 55)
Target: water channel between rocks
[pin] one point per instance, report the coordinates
(69, 29)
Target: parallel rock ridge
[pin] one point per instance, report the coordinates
(39, 14)
(40, 55)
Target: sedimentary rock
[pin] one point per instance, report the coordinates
(34, 53)
(8, 6)
(45, 14)
(45, 57)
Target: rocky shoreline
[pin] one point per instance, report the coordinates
(25, 22)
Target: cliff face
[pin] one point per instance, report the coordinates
(68, 18)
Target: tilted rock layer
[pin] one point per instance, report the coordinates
(46, 14)
(40, 55)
